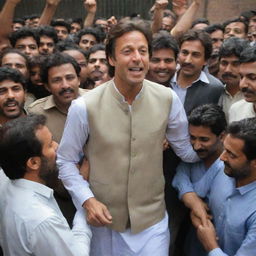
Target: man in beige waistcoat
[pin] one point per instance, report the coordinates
(121, 126)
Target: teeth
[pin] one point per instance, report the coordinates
(11, 104)
(135, 69)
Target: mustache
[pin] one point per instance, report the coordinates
(187, 65)
(66, 90)
(227, 164)
(226, 75)
(246, 90)
(10, 101)
(200, 150)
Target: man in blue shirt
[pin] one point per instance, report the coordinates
(232, 196)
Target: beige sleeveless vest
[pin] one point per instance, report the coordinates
(125, 151)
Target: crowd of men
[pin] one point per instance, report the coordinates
(156, 125)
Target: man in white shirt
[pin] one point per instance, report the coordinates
(31, 222)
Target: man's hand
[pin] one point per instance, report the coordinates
(207, 236)
(179, 7)
(53, 2)
(90, 6)
(97, 213)
(160, 4)
(13, 1)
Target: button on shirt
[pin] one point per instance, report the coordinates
(31, 223)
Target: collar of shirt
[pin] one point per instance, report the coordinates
(203, 77)
(236, 95)
(247, 188)
(34, 186)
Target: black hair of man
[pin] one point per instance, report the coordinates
(233, 47)
(245, 130)
(56, 60)
(76, 20)
(209, 115)
(95, 48)
(163, 40)
(18, 143)
(61, 23)
(66, 45)
(227, 22)
(214, 27)
(96, 32)
(19, 20)
(248, 54)
(12, 50)
(246, 15)
(47, 31)
(198, 35)
(23, 32)
(14, 75)
(200, 21)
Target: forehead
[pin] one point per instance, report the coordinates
(163, 53)
(248, 68)
(9, 83)
(61, 70)
(233, 25)
(46, 39)
(88, 37)
(133, 38)
(193, 46)
(75, 54)
(200, 131)
(13, 58)
(26, 41)
(98, 55)
(167, 20)
(233, 144)
(61, 28)
(217, 33)
(230, 58)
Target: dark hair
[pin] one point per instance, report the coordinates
(23, 32)
(61, 23)
(19, 20)
(65, 45)
(11, 50)
(209, 115)
(233, 46)
(245, 130)
(18, 143)
(76, 20)
(198, 35)
(88, 31)
(47, 31)
(95, 48)
(248, 54)
(12, 74)
(214, 27)
(163, 40)
(55, 60)
(200, 21)
(236, 20)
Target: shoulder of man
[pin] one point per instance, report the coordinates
(37, 107)
(214, 81)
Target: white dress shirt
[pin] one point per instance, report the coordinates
(31, 223)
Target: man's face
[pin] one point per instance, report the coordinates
(200, 26)
(235, 29)
(131, 60)
(75, 27)
(46, 45)
(204, 142)
(81, 60)
(167, 23)
(191, 58)
(15, 61)
(236, 162)
(252, 22)
(27, 45)
(162, 66)
(16, 26)
(97, 66)
(217, 39)
(229, 70)
(48, 169)
(12, 99)
(34, 23)
(87, 41)
(248, 81)
(63, 83)
(35, 76)
(62, 32)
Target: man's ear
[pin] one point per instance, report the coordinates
(111, 61)
(222, 136)
(34, 163)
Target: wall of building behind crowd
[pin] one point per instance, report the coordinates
(214, 10)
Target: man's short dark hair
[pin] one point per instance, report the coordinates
(245, 130)
(248, 54)
(236, 20)
(209, 115)
(200, 21)
(163, 40)
(23, 32)
(198, 35)
(214, 27)
(95, 48)
(47, 31)
(14, 75)
(19, 20)
(58, 59)
(18, 143)
(96, 32)
(233, 46)
(65, 45)
(61, 23)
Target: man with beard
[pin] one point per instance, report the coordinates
(193, 86)
(207, 125)
(229, 72)
(30, 221)
(246, 107)
(232, 196)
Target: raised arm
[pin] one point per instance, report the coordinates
(91, 8)
(48, 12)
(186, 20)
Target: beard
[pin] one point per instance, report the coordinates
(49, 172)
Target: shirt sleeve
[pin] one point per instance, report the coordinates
(217, 252)
(70, 152)
(182, 181)
(53, 237)
(177, 131)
